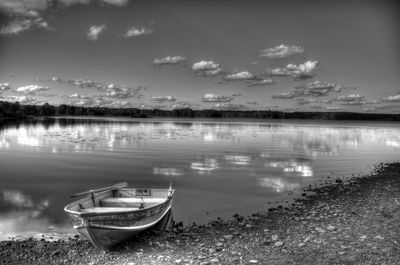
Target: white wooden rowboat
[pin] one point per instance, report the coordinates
(110, 215)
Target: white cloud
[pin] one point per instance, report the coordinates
(285, 95)
(23, 100)
(395, 98)
(230, 106)
(25, 14)
(19, 25)
(281, 51)
(4, 86)
(216, 98)
(245, 75)
(261, 82)
(318, 88)
(349, 98)
(304, 70)
(137, 31)
(31, 89)
(95, 31)
(163, 99)
(76, 95)
(115, 91)
(169, 60)
(207, 68)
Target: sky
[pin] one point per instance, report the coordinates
(290, 55)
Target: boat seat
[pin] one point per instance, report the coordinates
(107, 209)
(130, 202)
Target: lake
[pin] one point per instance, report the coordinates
(218, 167)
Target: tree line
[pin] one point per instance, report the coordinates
(19, 111)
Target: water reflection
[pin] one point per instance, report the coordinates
(167, 171)
(278, 184)
(205, 166)
(259, 161)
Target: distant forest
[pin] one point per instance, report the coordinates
(18, 111)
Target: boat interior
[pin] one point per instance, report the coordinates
(119, 200)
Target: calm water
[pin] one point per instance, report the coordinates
(218, 167)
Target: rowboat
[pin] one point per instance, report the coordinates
(107, 216)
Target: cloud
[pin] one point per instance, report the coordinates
(395, 98)
(230, 106)
(281, 51)
(261, 82)
(169, 60)
(31, 89)
(216, 98)
(4, 86)
(207, 68)
(352, 99)
(285, 95)
(245, 75)
(76, 95)
(185, 105)
(137, 31)
(25, 14)
(19, 25)
(95, 31)
(23, 100)
(163, 99)
(252, 103)
(115, 91)
(301, 71)
(317, 89)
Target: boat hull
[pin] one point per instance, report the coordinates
(105, 229)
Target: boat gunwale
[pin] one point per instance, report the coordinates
(88, 214)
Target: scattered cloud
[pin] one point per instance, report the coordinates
(245, 75)
(301, 71)
(169, 60)
(31, 89)
(185, 105)
(207, 68)
(19, 25)
(216, 98)
(115, 91)
(252, 103)
(261, 82)
(25, 100)
(285, 95)
(318, 88)
(95, 31)
(4, 86)
(281, 51)
(163, 99)
(137, 31)
(76, 95)
(352, 99)
(395, 98)
(230, 106)
(26, 14)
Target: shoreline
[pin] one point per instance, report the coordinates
(356, 221)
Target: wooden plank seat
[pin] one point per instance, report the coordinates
(107, 209)
(130, 202)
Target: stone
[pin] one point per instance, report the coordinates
(279, 244)
(301, 245)
(214, 260)
(228, 237)
(274, 237)
(253, 261)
